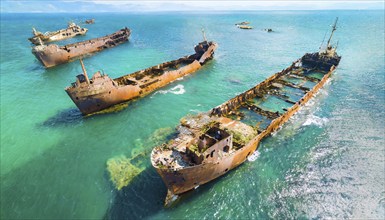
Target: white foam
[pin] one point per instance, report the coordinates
(253, 157)
(310, 103)
(315, 120)
(177, 90)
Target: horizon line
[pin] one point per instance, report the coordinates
(188, 11)
(135, 6)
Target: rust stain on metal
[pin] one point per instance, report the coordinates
(101, 92)
(52, 54)
(71, 31)
(213, 143)
(244, 27)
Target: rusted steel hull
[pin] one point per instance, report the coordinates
(71, 31)
(52, 55)
(105, 92)
(314, 60)
(183, 180)
(210, 144)
(247, 27)
(180, 179)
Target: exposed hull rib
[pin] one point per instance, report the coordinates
(210, 144)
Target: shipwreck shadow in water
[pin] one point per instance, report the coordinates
(146, 193)
(234, 81)
(66, 117)
(192, 195)
(143, 197)
(73, 116)
(35, 67)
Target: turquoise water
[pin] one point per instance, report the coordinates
(328, 162)
(273, 104)
(294, 94)
(254, 119)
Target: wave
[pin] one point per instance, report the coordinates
(177, 90)
(315, 120)
(254, 156)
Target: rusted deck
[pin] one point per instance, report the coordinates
(211, 144)
(202, 153)
(101, 92)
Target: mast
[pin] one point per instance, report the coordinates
(34, 32)
(333, 29)
(204, 35)
(84, 71)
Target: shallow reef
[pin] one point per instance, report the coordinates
(122, 169)
(122, 172)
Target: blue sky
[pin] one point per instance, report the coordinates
(55, 6)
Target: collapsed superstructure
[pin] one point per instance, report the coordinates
(211, 144)
(101, 92)
(52, 54)
(71, 31)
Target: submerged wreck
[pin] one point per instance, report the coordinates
(213, 143)
(71, 31)
(52, 54)
(101, 92)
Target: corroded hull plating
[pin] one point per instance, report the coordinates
(52, 55)
(105, 92)
(180, 181)
(317, 61)
(183, 180)
(210, 144)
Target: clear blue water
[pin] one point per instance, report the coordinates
(328, 162)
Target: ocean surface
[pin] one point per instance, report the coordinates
(326, 162)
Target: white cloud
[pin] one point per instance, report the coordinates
(177, 5)
(244, 5)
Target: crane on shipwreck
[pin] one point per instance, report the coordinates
(211, 144)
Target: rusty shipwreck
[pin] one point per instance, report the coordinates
(90, 21)
(101, 92)
(211, 144)
(247, 27)
(52, 54)
(71, 31)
